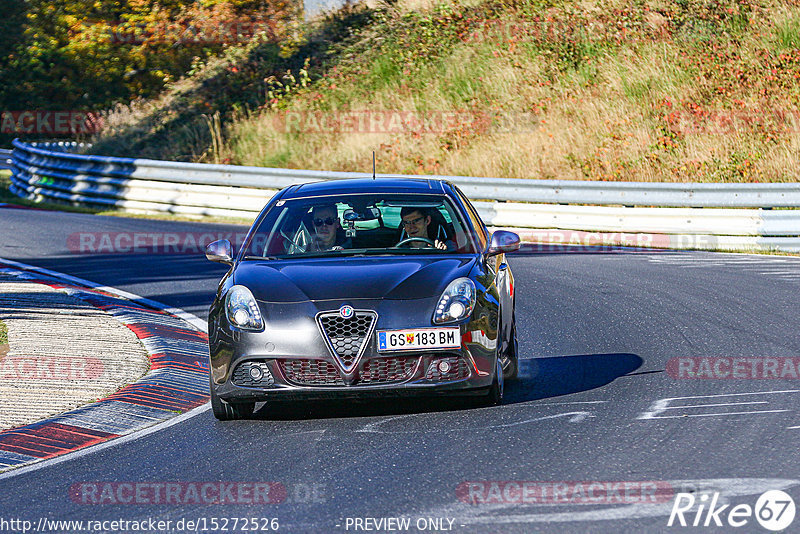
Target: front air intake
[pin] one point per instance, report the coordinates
(305, 372)
(253, 374)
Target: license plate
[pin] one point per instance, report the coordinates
(419, 338)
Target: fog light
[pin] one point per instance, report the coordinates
(256, 373)
(444, 367)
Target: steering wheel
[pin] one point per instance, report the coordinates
(412, 239)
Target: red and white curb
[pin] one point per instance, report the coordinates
(176, 383)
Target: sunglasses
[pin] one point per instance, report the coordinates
(327, 221)
(413, 222)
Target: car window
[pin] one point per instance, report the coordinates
(361, 224)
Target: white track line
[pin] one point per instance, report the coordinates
(735, 394)
(125, 438)
(715, 404)
(715, 414)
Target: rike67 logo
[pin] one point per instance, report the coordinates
(774, 510)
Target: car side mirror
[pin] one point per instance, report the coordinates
(502, 242)
(220, 252)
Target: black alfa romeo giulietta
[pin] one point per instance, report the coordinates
(363, 287)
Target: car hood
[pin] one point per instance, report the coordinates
(351, 278)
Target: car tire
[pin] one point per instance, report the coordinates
(226, 411)
(511, 357)
(495, 395)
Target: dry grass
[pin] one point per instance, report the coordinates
(601, 120)
(580, 105)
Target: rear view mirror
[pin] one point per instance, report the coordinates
(369, 214)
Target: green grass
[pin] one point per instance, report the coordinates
(787, 32)
(3, 333)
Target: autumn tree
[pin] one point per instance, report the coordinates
(91, 54)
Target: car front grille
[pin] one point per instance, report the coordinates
(387, 370)
(458, 369)
(347, 337)
(245, 372)
(311, 373)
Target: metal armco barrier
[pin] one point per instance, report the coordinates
(51, 172)
(5, 159)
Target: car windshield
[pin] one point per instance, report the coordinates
(361, 225)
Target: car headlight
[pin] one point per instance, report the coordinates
(456, 303)
(242, 309)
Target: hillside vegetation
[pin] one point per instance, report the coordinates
(88, 55)
(648, 90)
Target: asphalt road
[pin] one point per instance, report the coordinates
(594, 405)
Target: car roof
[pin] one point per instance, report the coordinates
(430, 186)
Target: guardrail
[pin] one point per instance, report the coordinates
(5, 158)
(50, 171)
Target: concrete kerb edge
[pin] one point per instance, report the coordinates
(176, 383)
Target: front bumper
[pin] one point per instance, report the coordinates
(294, 361)
(283, 382)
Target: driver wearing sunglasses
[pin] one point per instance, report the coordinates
(328, 234)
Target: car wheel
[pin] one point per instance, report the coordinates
(226, 411)
(495, 395)
(510, 357)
